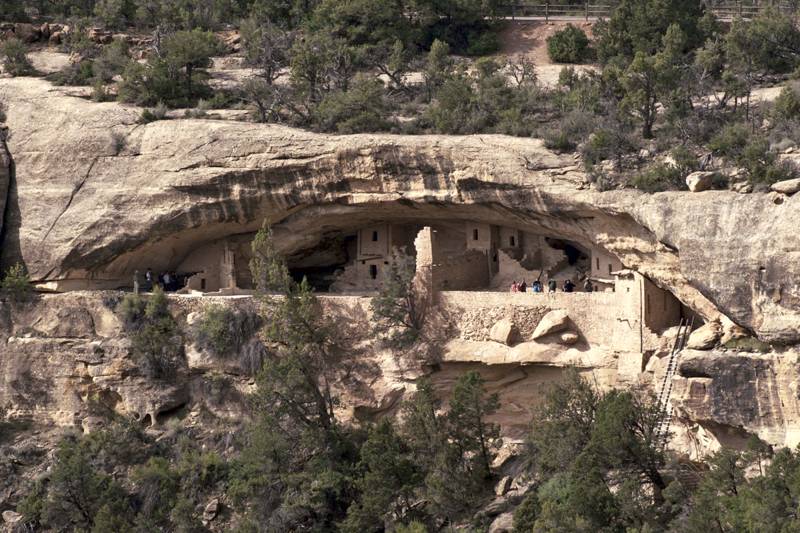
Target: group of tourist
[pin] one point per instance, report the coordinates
(552, 286)
(168, 281)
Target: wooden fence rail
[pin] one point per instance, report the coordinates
(593, 11)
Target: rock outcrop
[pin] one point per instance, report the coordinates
(552, 322)
(787, 186)
(700, 181)
(504, 332)
(737, 394)
(99, 195)
(704, 337)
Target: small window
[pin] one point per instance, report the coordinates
(202, 284)
(373, 271)
(374, 236)
(494, 258)
(513, 241)
(597, 262)
(609, 268)
(386, 262)
(475, 235)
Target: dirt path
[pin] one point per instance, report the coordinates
(529, 39)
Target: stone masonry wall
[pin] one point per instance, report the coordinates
(600, 317)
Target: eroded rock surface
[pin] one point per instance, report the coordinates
(99, 195)
(736, 394)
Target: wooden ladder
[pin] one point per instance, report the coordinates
(665, 393)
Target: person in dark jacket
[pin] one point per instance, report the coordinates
(569, 286)
(552, 285)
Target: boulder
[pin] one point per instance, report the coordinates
(569, 338)
(552, 322)
(787, 186)
(504, 332)
(731, 331)
(56, 37)
(211, 510)
(27, 33)
(504, 523)
(503, 486)
(11, 517)
(700, 181)
(495, 507)
(99, 35)
(705, 337)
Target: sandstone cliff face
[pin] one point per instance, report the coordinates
(99, 196)
(65, 362)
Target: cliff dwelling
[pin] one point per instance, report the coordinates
(471, 264)
(465, 256)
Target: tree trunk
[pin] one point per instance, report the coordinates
(189, 80)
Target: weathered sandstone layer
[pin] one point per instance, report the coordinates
(65, 362)
(98, 195)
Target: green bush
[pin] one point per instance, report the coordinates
(572, 129)
(685, 160)
(607, 144)
(80, 73)
(178, 77)
(659, 178)
(482, 43)
(223, 331)
(787, 104)
(455, 110)
(16, 283)
(748, 344)
(751, 151)
(15, 58)
(570, 45)
(159, 112)
(156, 344)
(112, 61)
(360, 108)
(731, 140)
(131, 310)
(559, 141)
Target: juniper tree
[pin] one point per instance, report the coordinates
(400, 307)
(296, 467)
(156, 342)
(388, 482)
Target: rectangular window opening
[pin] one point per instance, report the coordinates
(513, 241)
(475, 235)
(374, 236)
(373, 271)
(597, 262)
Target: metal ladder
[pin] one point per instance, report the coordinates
(664, 395)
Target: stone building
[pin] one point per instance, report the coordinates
(456, 256)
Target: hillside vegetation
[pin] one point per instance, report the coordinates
(673, 85)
